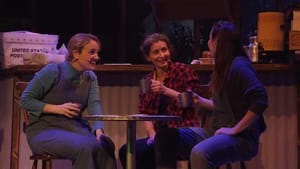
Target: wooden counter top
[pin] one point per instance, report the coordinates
(146, 68)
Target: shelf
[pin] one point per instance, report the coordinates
(146, 68)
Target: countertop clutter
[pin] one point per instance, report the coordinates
(147, 68)
(29, 48)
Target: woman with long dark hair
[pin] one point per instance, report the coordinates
(238, 102)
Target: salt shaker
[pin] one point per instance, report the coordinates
(253, 49)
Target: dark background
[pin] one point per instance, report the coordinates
(121, 25)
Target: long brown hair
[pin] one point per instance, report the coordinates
(228, 46)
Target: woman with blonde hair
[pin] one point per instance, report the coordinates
(55, 99)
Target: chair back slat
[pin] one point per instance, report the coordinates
(20, 87)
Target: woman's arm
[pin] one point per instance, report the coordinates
(149, 128)
(67, 109)
(202, 102)
(150, 131)
(94, 102)
(36, 89)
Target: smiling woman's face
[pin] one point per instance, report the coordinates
(87, 58)
(159, 54)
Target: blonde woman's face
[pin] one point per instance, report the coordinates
(159, 54)
(87, 58)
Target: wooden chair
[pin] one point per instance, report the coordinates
(46, 158)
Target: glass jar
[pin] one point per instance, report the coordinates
(253, 49)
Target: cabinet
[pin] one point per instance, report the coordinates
(197, 10)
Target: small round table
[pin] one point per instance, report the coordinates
(131, 129)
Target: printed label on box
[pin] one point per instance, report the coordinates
(14, 45)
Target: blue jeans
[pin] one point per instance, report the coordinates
(220, 149)
(144, 155)
(175, 144)
(170, 145)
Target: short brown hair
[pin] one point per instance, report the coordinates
(153, 38)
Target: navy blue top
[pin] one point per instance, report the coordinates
(243, 91)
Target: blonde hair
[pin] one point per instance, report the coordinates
(78, 41)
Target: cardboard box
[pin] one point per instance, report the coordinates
(295, 25)
(14, 45)
(294, 40)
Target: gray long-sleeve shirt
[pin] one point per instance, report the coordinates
(34, 96)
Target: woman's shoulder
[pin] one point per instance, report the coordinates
(90, 74)
(180, 66)
(241, 65)
(240, 62)
(49, 68)
(48, 72)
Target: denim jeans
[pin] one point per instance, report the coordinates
(173, 144)
(220, 149)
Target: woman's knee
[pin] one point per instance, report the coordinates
(167, 133)
(198, 153)
(107, 144)
(198, 158)
(89, 147)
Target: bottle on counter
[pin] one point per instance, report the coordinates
(253, 49)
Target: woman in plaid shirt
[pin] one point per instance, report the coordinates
(166, 141)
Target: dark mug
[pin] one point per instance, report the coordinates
(145, 85)
(186, 99)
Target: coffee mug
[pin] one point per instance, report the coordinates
(186, 99)
(145, 85)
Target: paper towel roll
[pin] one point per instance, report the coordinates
(270, 31)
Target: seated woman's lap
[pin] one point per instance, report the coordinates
(220, 149)
(61, 142)
(188, 138)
